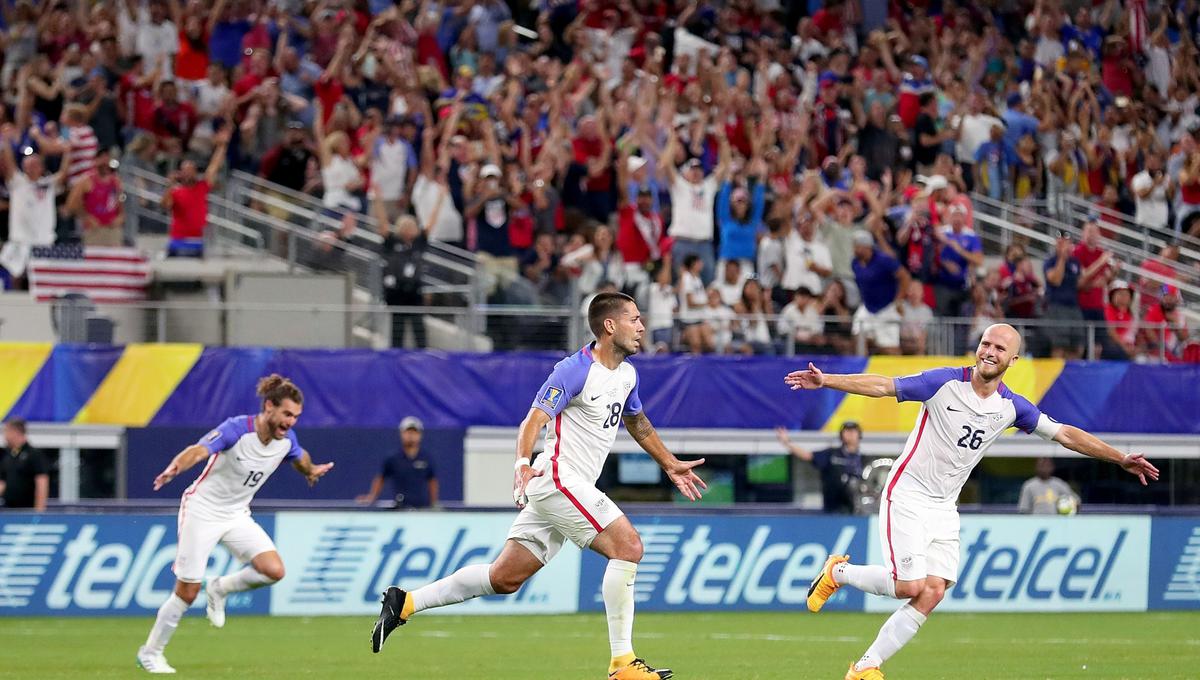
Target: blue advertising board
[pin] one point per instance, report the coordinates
(1044, 563)
(100, 564)
(340, 562)
(721, 562)
(1175, 563)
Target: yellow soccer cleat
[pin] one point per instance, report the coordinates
(639, 670)
(865, 674)
(823, 586)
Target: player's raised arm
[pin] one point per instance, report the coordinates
(304, 465)
(865, 384)
(681, 473)
(1082, 441)
(180, 463)
(531, 427)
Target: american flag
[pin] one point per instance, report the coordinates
(104, 274)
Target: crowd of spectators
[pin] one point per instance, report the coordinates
(759, 174)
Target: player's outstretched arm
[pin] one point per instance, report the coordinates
(311, 472)
(523, 470)
(180, 463)
(865, 384)
(679, 472)
(1082, 441)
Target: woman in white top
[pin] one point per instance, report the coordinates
(604, 264)
(431, 193)
(341, 173)
(661, 308)
(697, 333)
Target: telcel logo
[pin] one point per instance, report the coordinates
(1041, 571)
(759, 571)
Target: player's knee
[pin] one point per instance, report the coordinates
(909, 589)
(275, 572)
(506, 584)
(187, 591)
(632, 550)
(934, 592)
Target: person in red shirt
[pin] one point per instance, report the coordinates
(1098, 270)
(187, 201)
(1163, 273)
(191, 61)
(1121, 341)
(137, 102)
(174, 120)
(593, 150)
(1164, 330)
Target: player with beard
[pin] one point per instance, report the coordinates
(964, 410)
(242, 453)
(583, 402)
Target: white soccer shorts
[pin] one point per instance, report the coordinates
(577, 513)
(919, 540)
(197, 538)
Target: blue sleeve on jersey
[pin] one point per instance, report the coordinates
(225, 436)
(1027, 414)
(565, 381)
(295, 452)
(922, 386)
(633, 404)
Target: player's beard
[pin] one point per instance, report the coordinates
(633, 346)
(989, 371)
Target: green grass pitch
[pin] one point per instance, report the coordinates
(733, 646)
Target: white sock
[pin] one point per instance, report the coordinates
(619, 578)
(164, 625)
(465, 584)
(869, 578)
(896, 632)
(246, 579)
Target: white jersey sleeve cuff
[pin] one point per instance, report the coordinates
(1047, 428)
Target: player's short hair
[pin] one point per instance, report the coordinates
(275, 388)
(17, 424)
(605, 306)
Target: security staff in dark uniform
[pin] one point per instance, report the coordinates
(24, 471)
(410, 471)
(838, 466)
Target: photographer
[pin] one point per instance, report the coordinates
(837, 465)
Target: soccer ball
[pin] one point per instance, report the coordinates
(1066, 505)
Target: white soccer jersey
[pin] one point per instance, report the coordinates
(238, 467)
(586, 402)
(954, 429)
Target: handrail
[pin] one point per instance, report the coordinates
(1117, 247)
(1144, 236)
(1038, 236)
(316, 205)
(1084, 205)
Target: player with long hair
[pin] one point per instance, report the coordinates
(242, 452)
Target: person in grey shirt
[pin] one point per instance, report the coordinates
(1040, 495)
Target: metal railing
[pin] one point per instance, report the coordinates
(1040, 244)
(237, 231)
(500, 327)
(1146, 246)
(1078, 208)
(449, 270)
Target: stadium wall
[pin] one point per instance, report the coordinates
(339, 562)
(183, 385)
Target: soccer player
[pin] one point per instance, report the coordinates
(242, 453)
(584, 401)
(964, 410)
